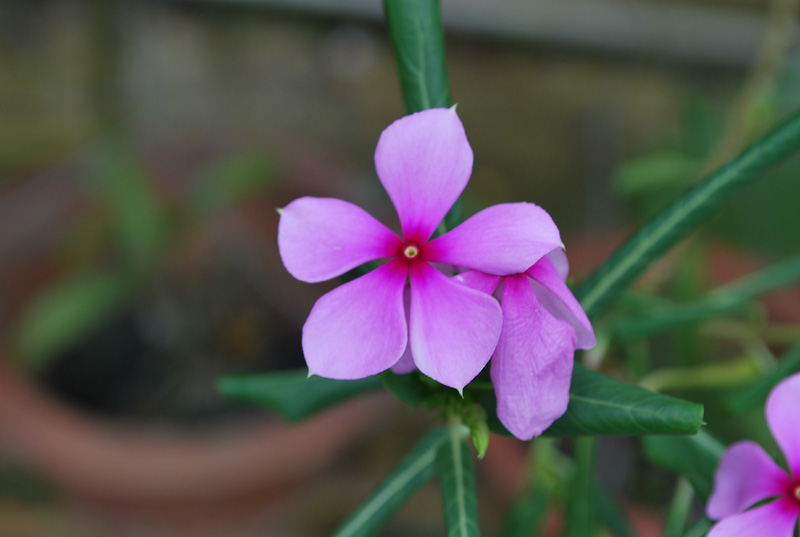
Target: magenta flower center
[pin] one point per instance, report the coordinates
(410, 251)
(797, 492)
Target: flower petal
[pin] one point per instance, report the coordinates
(745, 475)
(776, 519)
(532, 366)
(406, 362)
(559, 259)
(358, 329)
(453, 329)
(485, 283)
(556, 297)
(424, 161)
(321, 238)
(502, 239)
(782, 416)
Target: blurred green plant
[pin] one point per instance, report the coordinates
(140, 229)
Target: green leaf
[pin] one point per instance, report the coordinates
(763, 281)
(293, 394)
(526, 514)
(599, 404)
(457, 482)
(415, 29)
(610, 513)
(413, 472)
(580, 507)
(683, 216)
(695, 457)
(68, 311)
(230, 181)
(136, 213)
(654, 172)
(679, 509)
(676, 315)
(700, 529)
(750, 396)
(410, 388)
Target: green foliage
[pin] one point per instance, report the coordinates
(695, 457)
(757, 392)
(679, 509)
(138, 220)
(456, 472)
(580, 519)
(68, 311)
(230, 181)
(654, 173)
(293, 394)
(683, 216)
(413, 472)
(415, 29)
(526, 514)
(599, 404)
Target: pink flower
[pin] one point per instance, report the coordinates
(747, 475)
(543, 324)
(360, 328)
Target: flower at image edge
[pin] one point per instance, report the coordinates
(361, 328)
(747, 475)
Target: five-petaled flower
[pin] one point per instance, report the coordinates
(543, 324)
(361, 328)
(747, 475)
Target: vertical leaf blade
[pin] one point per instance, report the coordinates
(457, 482)
(413, 472)
(684, 215)
(417, 35)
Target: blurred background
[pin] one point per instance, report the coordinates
(144, 147)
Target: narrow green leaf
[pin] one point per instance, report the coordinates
(415, 29)
(293, 394)
(700, 529)
(410, 388)
(679, 509)
(456, 472)
(413, 472)
(580, 505)
(526, 514)
(654, 172)
(599, 404)
(230, 181)
(695, 457)
(765, 280)
(67, 311)
(750, 396)
(137, 216)
(676, 315)
(610, 513)
(684, 215)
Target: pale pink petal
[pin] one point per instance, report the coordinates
(321, 238)
(532, 365)
(406, 362)
(559, 258)
(775, 519)
(485, 283)
(453, 329)
(745, 476)
(358, 329)
(556, 297)
(502, 239)
(424, 161)
(783, 416)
